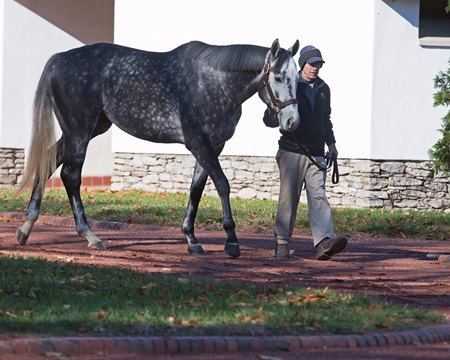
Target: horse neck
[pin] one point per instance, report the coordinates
(249, 86)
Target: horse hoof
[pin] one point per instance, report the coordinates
(21, 237)
(97, 245)
(196, 250)
(233, 250)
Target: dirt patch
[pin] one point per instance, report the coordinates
(396, 269)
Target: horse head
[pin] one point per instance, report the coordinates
(279, 88)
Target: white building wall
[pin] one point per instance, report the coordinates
(2, 69)
(27, 42)
(343, 30)
(404, 121)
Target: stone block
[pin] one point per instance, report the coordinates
(150, 161)
(378, 183)
(419, 173)
(406, 203)
(393, 167)
(404, 181)
(435, 186)
(247, 193)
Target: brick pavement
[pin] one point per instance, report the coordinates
(190, 345)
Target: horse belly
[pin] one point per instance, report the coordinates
(149, 124)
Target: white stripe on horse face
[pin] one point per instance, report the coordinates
(284, 85)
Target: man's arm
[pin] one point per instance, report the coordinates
(329, 134)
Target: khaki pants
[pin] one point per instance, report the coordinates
(294, 170)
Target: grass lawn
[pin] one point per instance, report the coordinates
(60, 298)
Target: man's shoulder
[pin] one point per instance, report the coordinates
(321, 82)
(322, 85)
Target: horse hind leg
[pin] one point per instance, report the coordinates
(34, 205)
(71, 177)
(32, 215)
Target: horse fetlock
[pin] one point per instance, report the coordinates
(191, 239)
(21, 237)
(187, 230)
(233, 249)
(196, 249)
(229, 225)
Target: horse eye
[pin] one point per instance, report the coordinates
(278, 78)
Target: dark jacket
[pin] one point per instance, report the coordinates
(315, 129)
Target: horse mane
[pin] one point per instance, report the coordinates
(230, 57)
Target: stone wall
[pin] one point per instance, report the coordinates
(363, 183)
(11, 166)
(389, 184)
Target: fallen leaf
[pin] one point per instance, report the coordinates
(55, 355)
(82, 278)
(203, 300)
(241, 292)
(305, 299)
(208, 287)
(174, 321)
(32, 294)
(265, 357)
(189, 323)
(8, 314)
(183, 280)
(144, 291)
(381, 326)
(100, 315)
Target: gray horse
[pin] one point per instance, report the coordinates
(191, 95)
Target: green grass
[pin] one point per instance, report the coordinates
(60, 298)
(258, 215)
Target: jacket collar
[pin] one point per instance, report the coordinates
(318, 83)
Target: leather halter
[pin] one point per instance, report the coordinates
(277, 104)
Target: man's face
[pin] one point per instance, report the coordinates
(311, 71)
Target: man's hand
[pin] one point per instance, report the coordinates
(332, 152)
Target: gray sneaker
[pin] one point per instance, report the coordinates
(328, 247)
(282, 251)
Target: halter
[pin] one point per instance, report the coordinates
(277, 104)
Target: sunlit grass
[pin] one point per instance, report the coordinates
(258, 215)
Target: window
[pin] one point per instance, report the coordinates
(434, 23)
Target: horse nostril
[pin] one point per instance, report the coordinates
(290, 123)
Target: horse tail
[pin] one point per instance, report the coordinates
(41, 160)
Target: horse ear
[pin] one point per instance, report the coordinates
(293, 50)
(275, 47)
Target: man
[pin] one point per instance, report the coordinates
(296, 167)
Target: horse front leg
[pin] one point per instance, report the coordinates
(209, 161)
(197, 186)
(232, 243)
(71, 177)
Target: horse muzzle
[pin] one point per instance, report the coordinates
(289, 122)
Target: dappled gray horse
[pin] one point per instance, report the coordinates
(191, 95)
